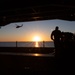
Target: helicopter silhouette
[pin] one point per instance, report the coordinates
(18, 26)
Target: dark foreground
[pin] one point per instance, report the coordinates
(34, 61)
(26, 60)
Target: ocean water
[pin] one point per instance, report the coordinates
(27, 44)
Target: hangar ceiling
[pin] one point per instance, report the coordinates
(23, 11)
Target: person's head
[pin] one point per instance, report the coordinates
(56, 28)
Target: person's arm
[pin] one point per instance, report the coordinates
(52, 36)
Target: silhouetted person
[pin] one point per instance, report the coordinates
(56, 37)
(43, 43)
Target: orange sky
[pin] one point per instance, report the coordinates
(42, 29)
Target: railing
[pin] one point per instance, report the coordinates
(27, 44)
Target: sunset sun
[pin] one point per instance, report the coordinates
(37, 38)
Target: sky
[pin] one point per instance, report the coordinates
(32, 29)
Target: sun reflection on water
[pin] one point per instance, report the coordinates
(36, 44)
(36, 54)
